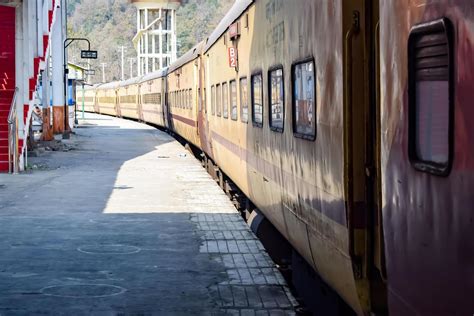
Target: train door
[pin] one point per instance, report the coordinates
(164, 101)
(203, 124)
(362, 188)
(138, 102)
(117, 102)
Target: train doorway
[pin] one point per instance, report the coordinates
(361, 121)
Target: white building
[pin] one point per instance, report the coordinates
(155, 40)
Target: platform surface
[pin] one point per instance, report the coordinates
(124, 221)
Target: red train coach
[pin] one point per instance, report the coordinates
(426, 157)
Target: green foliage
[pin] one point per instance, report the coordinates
(109, 24)
(197, 19)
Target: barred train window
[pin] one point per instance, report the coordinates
(213, 100)
(244, 101)
(219, 100)
(304, 96)
(276, 94)
(233, 100)
(225, 100)
(257, 100)
(430, 99)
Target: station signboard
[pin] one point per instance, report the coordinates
(89, 54)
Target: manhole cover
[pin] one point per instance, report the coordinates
(83, 290)
(109, 249)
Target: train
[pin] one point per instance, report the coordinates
(346, 124)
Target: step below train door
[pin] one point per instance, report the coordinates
(362, 175)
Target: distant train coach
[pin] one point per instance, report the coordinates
(346, 124)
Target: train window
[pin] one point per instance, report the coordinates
(244, 101)
(189, 104)
(276, 95)
(225, 100)
(213, 100)
(233, 100)
(219, 99)
(304, 100)
(257, 100)
(430, 56)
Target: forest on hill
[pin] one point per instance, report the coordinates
(111, 24)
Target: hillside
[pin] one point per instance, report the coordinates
(110, 24)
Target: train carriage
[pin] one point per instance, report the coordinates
(86, 99)
(427, 161)
(226, 123)
(127, 96)
(107, 98)
(152, 98)
(183, 86)
(278, 129)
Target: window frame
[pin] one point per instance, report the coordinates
(225, 114)
(293, 100)
(218, 106)
(252, 99)
(269, 86)
(240, 98)
(430, 27)
(233, 81)
(213, 100)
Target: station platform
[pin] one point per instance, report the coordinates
(122, 220)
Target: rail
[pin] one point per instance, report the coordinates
(13, 155)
